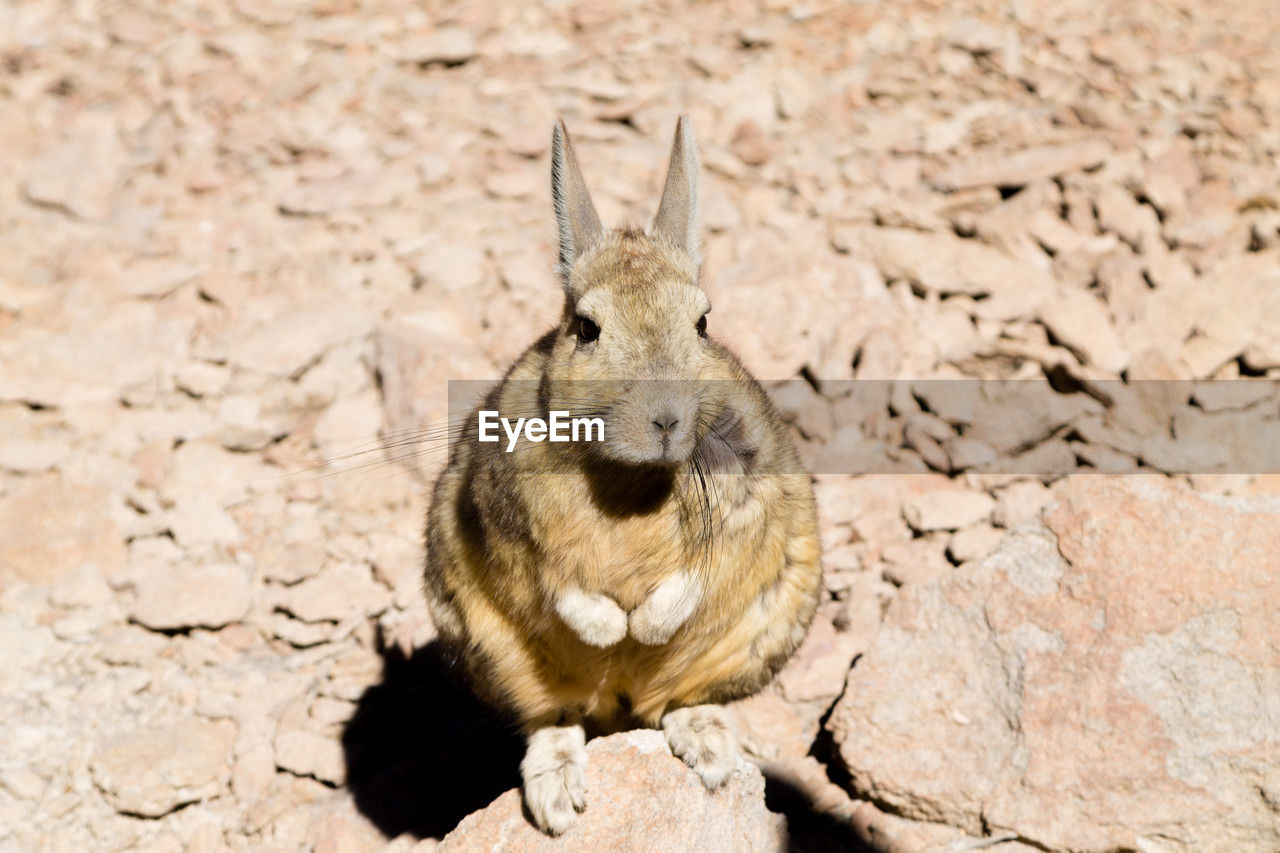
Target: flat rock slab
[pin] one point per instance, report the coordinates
(152, 771)
(1108, 678)
(51, 525)
(639, 797)
(173, 598)
(1018, 168)
(949, 265)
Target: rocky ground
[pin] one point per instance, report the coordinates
(245, 245)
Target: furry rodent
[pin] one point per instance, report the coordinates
(651, 576)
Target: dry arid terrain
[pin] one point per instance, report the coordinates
(244, 245)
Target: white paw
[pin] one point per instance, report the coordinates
(595, 618)
(665, 610)
(555, 789)
(703, 738)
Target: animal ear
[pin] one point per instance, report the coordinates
(576, 217)
(677, 217)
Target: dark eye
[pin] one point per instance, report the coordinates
(702, 326)
(588, 331)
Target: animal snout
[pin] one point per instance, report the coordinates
(665, 423)
(652, 422)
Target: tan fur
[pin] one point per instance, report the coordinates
(510, 535)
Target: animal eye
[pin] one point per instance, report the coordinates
(702, 326)
(588, 331)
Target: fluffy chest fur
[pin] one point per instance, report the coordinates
(624, 543)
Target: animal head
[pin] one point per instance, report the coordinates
(632, 343)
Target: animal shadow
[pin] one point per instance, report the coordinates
(810, 830)
(421, 752)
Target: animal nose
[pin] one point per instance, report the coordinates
(665, 422)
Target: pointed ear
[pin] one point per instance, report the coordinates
(576, 217)
(677, 218)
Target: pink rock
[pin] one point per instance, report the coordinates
(175, 597)
(640, 797)
(819, 667)
(152, 771)
(947, 509)
(51, 525)
(1003, 169)
(1103, 680)
(79, 173)
(417, 355)
(1082, 322)
(946, 264)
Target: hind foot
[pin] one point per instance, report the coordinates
(702, 736)
(554, 785)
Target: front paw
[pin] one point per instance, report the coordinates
(595, 618)
(555, 787)
(661, 614)
(702, 736)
